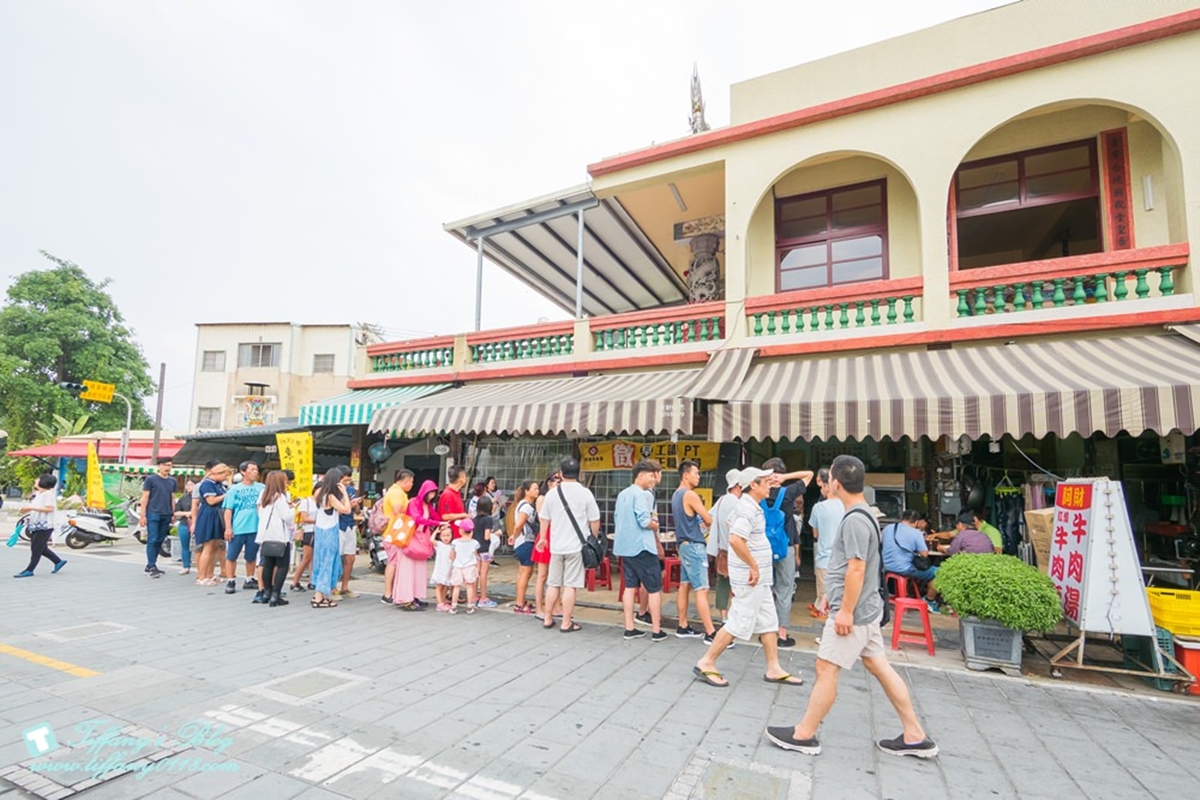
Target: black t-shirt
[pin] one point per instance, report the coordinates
(161, 491)
(792, 490)
(484, 522)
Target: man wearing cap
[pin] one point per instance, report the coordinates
(752, 612)
(718, 538)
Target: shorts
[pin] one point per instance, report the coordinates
(486, 558)
(306, 539)
(348, 542)
(643, 571)
(921, 574)
(693, 564)
(751, 611)
(461, 576)
(863, 641)
(819, 574)
(240, 541)
(566, 569)
(524, 554)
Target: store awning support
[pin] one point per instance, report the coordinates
(579, 270)
(479, 283)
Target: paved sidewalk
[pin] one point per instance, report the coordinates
(210, 696)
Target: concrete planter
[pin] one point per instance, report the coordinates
(987, 644)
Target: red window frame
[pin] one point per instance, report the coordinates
(1023, 200)
(828, 237)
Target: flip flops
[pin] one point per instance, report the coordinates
(711, 677)
(786, 680)
(574, 627)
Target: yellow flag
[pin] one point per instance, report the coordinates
(296, 454)
(95, 483)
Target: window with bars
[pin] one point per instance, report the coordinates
(832, 237)
(323, 364)
(212, 361)
(208, 417)
(259, 355)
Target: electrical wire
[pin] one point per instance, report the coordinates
(1038, 466)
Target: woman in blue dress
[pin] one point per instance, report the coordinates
(327, 559)
(208, 529)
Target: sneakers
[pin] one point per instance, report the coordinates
(230, 586)
(487, 602)
(24, 574)
(898, 747)
(634, 634)
(259, 597)
(154, 572)
(297, 588)
(934, 608)
(443, 607)
(387, 601)
(788, 642)
(708, 639)
(62, 562)
(185, 571)
(661, 636)
(148, 568)
(688, 633)
(251, 583)
(452, 610)
(642, 619)
(470, 609)
(786, 738)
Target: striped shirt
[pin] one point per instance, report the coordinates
(748, 522)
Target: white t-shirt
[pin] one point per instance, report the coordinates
(563, 539)
(41, 520)
(718, 535)
(466, 551)
(307, 508)
(275, 521)
(748, 522)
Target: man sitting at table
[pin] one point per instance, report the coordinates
(968, 539)
(901, 542)
(989, 530)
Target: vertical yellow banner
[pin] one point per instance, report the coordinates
(296, 454)
(95, 482)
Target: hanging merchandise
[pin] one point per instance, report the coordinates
(1008, 505)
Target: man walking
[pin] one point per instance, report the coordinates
(687, 512)
(157, 511)
(852, 630)
(240, 508)
(635, 541)
(569, 509)
(752, 612)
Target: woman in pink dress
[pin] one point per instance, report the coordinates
(412, 566)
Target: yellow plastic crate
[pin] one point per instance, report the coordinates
(1177, 610)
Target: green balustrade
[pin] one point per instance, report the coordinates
(522, 349)
(1064, 292)
(851, 315)
(413, 359)
(665, 334)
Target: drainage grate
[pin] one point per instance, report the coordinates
(305, 687)
(84, 631)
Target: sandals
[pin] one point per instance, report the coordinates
(324, 602)
(786, 679)
(711, 677)
(574, 627)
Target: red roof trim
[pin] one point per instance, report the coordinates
(1096, 44)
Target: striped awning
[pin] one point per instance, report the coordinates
(1132, 383)
(133, 469)
(357, 407)
(596, 405)
(723, 374)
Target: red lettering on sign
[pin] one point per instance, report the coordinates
(1078, 528)
(1075, 566)
(1056, 567)
(1060, 536)
(1071, 603)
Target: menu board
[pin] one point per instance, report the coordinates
(1093, 560)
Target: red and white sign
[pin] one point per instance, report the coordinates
(1069, 546)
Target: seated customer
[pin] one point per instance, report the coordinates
(989, 530)
(968, 539)
(901, 542)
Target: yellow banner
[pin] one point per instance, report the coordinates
(296, 454)
(95, 481)
(619, 454)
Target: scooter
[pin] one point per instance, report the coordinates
(88, 526)
(377, 553)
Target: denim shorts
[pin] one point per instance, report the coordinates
(524, 554)
(922, 574)
(693, 559)
(239, 541)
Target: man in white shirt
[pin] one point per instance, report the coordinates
(718, 538)
(752, 612)
(569, 510)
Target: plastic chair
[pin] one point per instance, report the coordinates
(898, 585)
(924, 636)
(671, 566)
(602, 575)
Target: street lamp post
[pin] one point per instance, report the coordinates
(128, 424)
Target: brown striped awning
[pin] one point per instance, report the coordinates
(1131, 383)
(723, 374)
(595, 405)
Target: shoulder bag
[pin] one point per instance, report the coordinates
(593, 549)
(273, 548)
(920, 563)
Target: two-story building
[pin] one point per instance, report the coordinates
(961, 254)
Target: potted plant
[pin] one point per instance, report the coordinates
(997, 599)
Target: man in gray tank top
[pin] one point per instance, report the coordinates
(687, 512)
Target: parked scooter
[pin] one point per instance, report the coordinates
(87, 526)
(377, 553)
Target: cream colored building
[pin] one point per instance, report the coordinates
(259, 373)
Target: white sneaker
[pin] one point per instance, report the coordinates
(185, 571)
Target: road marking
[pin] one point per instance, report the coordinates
(47, 661)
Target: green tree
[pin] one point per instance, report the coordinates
(58, 324)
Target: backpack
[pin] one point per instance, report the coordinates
(776, 525)
(377, 521)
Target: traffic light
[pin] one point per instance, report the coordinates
(74, 388)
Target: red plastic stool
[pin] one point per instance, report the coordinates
(923, 636)
(901, 584)
(602, 575)
(671, 566)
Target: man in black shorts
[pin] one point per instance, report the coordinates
(636, 542)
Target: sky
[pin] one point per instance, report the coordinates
(262, 160)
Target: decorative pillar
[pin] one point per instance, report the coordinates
(703, 277)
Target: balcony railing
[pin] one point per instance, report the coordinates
(522, 344)
(663, 327)
(1119, 276)
(433, 353)
(876, 304)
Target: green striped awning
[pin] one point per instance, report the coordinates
(357, 407)
(142, 469)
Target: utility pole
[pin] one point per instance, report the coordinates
(162, 380)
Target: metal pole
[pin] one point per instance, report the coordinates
(479, 284)
(162, 379)
(579, 270)
(128, 425)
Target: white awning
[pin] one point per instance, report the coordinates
(357, 407)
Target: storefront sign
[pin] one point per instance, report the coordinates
(296, 454)
(603, 456)
(1093, 561)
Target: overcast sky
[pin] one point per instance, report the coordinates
(255, 160)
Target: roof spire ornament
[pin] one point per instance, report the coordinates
(697, 121)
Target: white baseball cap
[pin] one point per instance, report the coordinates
(751, 474)
(733, 477)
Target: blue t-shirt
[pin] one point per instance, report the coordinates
(826, 517)
(347, 520)
(243, 499)
(631, 515)
(900, 542)
(160, 490)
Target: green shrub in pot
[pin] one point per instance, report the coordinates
(1003, 588)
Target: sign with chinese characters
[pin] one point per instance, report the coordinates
(603, 456)
(296, 454)
(1093, 561)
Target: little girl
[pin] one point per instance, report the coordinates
(465, 570)
(443, 559)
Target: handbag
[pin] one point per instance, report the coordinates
(399, 530)
(16, 534)
(272, 548)
(593, 549)
(920, 563)
(723, 563)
